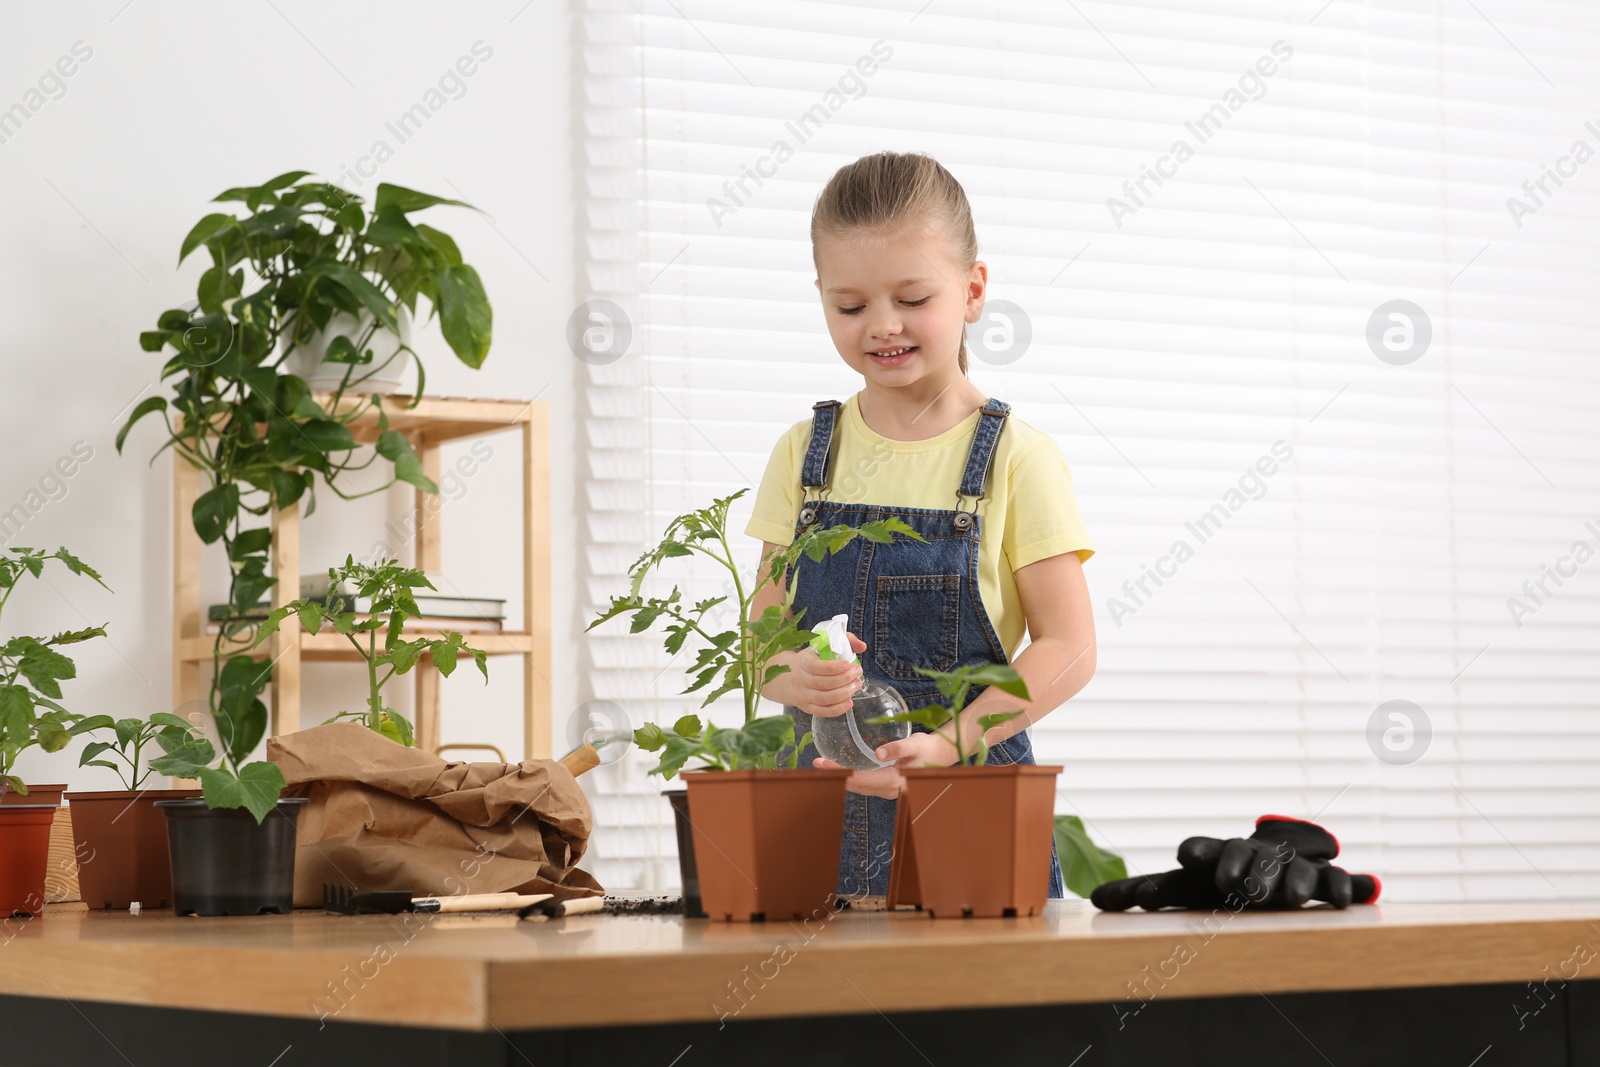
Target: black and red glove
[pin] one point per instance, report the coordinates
(1283, 864)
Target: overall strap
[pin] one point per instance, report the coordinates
(984, 439)
(819, 453)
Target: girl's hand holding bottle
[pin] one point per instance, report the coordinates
(822, 687)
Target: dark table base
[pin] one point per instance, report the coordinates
(1454, 1026)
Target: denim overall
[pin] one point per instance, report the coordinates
(915, 604)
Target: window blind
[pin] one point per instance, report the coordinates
(1309, 298)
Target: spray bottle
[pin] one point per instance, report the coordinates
(852, 739)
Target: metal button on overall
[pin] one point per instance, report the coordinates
(922, 602)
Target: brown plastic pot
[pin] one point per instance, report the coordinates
(37, 794)
(766, 843)
(120, 840)
(24, 856)
(981, 834)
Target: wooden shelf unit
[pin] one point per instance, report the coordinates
(427, 426)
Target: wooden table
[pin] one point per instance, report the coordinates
(1510, 983)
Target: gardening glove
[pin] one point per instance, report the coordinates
(1275, 864)
(1196, 889)
(1182, 888)
(1288, 859)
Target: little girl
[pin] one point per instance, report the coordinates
(897, 268)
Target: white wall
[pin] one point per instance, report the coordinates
(169, 104)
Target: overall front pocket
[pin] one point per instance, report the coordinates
(916, 623)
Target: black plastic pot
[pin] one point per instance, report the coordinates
(687, 869)
(225, 863)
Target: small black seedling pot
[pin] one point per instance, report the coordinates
(225, 863)
(687, 869)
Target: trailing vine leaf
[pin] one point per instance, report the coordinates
(299, 252)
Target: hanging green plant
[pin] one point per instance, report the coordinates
(300, 260)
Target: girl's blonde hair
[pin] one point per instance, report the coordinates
(894, 189)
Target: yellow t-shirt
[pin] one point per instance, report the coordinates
(1030, 512)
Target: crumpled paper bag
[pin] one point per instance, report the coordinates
(384, 816)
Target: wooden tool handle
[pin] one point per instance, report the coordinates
(490, 901)
(580, 906)
(583, 758)
(560, 909)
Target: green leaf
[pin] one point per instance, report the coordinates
(1084, 865)
(77, 566)
(214, 510)
(311, 616)
(933, 716)
(91, 750)
(393, 446)
(397, 728)
(241, 717)
(16, 715)
(127, 730)
(257, 788)
(1002, 677)
(287, 487)
(464, 314)
(766, 736)
(409, 199)
(650, 737)
(52, 735)
(676, 636)
(203, 231)
(443, 243)
(166, 718)
(687, 726)
(146, 406)
(186, 760)
(250, 543)
(799, 747)
(370, 296)
(91, 723)
(44, 667)
(996, 718)
(391, 227)
(269, 625)
(404, 655)
(444, 656)
(343, 350)
(73, 637)
(679, 750)
(325, 435)
(284, 180)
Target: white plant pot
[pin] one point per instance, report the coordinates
(391, 354)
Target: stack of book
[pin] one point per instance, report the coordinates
(439, 612)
